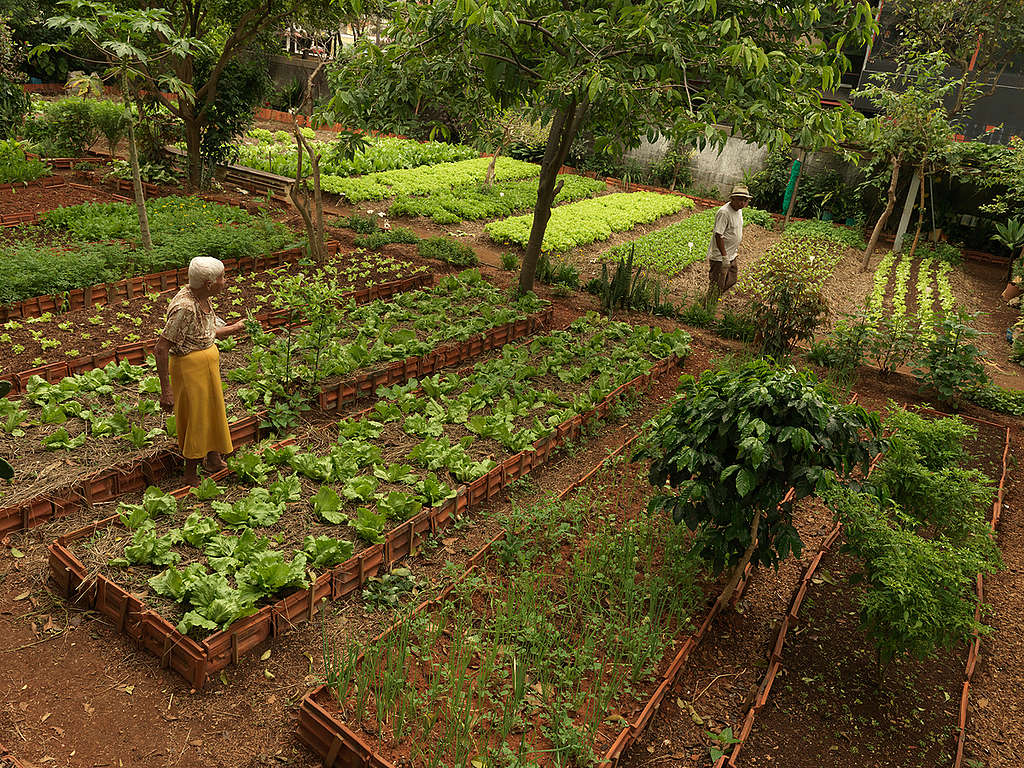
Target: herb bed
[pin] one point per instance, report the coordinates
(197, 660)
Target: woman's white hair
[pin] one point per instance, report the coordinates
(203, 270)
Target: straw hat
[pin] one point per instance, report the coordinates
(740, 190)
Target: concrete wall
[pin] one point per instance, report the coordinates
(284, 69)
(709, 167)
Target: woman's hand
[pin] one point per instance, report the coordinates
(167, 400)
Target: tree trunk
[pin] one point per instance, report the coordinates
(796, 187)
(194, 161)
(140, 195)
(564, 127)
(889, 205)
(730, 587)
(920, 216)
(313, 220)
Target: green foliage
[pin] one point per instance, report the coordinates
(63, 128)
(323, 551)
(111, 121)
(379, 239)
(586, 221)
(757, 216)
(509, 261)
(425, 180)
(825, 230)
(15, 167)
(448, 250)
(363, 225)
(736, 442)
(559, 273)
(276, 153)
(785, 287)
(672, 249)
(627, 289)
(476, 202)
(950, 363)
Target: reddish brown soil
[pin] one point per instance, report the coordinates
(35, 199)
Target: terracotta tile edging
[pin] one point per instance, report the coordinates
(103, 294)
(330, 739)
(196, 661)
(775, 657)
(122, 478)
(136, 352)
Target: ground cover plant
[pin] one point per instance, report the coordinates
(82, 245)
(476, 202)
(674, 248)
(825, 230)
(111, 413)
(275, 152)
(586, 221)
(425, 180)
(526, 662)
(315, 500)
(34, 341)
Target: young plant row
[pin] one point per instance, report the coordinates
(560, 628)
(115, 409)
(291, 507)
(587, 221)
(105, 327)
(426, 180)
(672, 249)
(475, 202)
(275, 152)
(99, 242)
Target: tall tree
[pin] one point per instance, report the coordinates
(912, 128)
(230, 27)
(627, 68)
(128, 41)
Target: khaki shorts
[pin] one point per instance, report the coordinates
(722, 276)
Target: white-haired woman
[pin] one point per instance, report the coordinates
(188, 363)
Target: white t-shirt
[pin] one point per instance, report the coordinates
(728, 224)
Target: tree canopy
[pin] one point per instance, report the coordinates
(630, 68)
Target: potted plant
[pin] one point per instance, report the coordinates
(1011, 235)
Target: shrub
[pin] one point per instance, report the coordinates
(733, 445)
(890, 342)
(364, 225)
(448, 250)
(846, 345)
(950, 362)
(64, 128)
(15, 167)
(381, 238)
(111, 121)
(697, 314)
(785, 287)
(13, 107)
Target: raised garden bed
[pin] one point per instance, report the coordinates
(40, 502)
(91, 337)
(196, 660)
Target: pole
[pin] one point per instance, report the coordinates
(908, 208)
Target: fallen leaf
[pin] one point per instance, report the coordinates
(59, 731)
(271, 699)
(45, 717)
(268, 674)
(15, 552)
(49, 626)
(129, 689)
(265, 656)
(88, 710)
(982, 703)
(22, 596)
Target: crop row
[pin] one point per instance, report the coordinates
(100, 242)
(933, 278)
(312, 506)
(587, 221)
(114, 409)
(475, 202)
(426, 180)
(103, 327)
(674, 248)
(275, 152)
(564, 621)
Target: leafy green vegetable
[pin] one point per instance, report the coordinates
(258, 508)
(268, 572)
(323, 551)
(62, 440)
(327, 504)
(149, 549)
(206, 490)
(369, 526)
(198, 529)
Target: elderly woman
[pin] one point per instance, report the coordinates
(188, 363)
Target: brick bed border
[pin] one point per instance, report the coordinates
(196, 661)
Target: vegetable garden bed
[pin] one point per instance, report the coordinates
(93, 336)
(924, 692)
(521, 370)
(141, 422)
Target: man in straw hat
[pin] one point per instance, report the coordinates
(725, 242)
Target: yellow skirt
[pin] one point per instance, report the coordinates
(199, 411)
